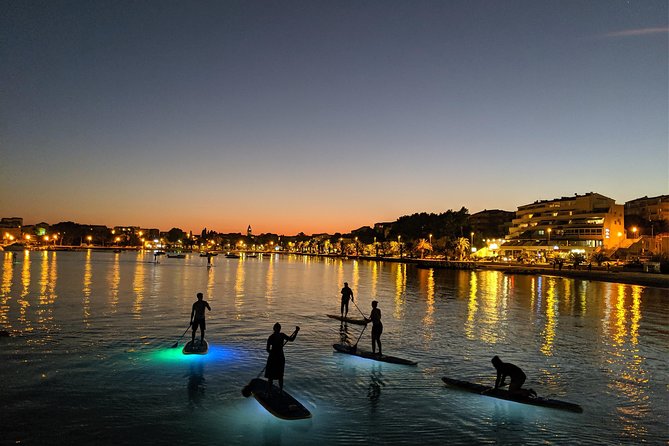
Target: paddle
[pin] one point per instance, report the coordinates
(355, 347)
(246, 390)
(361, 313)
(177, 343)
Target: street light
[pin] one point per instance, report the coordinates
(634, 229)
(471, 240)
(549, 235)
(399, 238)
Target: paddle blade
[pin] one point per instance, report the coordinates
(175, 344)
(246, 391)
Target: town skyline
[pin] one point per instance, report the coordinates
(312, 117)
(164, 228)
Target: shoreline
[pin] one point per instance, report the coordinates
(614, 275)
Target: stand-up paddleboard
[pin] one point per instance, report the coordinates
(506, 395)
(281, 405)
(341, 348)
(196, 348)
(350, 320)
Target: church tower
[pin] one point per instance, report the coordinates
(248, 231)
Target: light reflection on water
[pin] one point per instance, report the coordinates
(93, 331)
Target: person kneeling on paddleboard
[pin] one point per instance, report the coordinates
(197, 316)
(276, 361)
(516, 375)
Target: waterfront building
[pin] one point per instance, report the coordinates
(583, 224)
(651, 209)
(383, 228)
(491, 223)
(10, 229)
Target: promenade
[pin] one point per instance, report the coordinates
(617, 274)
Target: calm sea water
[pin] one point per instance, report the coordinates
(90, 357)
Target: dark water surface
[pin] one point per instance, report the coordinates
(89, 359)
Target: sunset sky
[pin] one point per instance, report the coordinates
(320, 116)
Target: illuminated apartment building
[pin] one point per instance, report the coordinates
(582, 223)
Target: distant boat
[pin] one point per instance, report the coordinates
(231, 255)
(176, 255)
(252, 255)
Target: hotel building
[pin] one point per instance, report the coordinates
(582, 223)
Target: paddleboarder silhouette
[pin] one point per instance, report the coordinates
(377, 326)
(516, 375)
(346, 295)
(197, 318)
(276, 361)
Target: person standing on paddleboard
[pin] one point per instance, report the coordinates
(377, 326)
(197, 318)
(514, 372)
(346, 294)
(276, 361)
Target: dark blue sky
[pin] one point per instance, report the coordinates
(325, 116)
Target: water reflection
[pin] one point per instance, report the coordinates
(355, 276)
(428, 319)
(374, 280)
(196, 385)
(211, 281)
(344, 336)
(25, 291)
(6, 289)
(47, 296)
(636, 314)
(340, 273)
(114, 281)
(376, 383)
(138, 289)
(626, 363)
(400, 288)
(596, 344)
(86, 289)
(472, 306)
(239, 290)
(548, 333)
(269, 281)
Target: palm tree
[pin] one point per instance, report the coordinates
(423, 245)
(577, 258)
(600, 258)
(462, 247)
